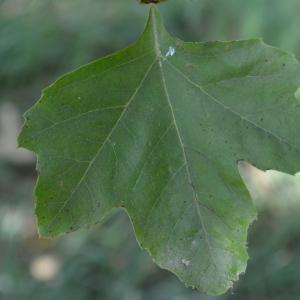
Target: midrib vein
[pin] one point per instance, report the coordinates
(190, 180)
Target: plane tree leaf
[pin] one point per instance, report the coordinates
(157, 129)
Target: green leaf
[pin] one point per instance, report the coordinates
(158, 129)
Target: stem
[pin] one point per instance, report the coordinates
(151, 1)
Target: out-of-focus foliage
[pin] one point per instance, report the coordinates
(55, 35)
(40, 39)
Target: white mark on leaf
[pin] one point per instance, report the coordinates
(171, 52)
(185, 262)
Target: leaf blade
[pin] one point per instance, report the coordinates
(167, 151)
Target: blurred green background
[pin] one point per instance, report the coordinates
(41, 39)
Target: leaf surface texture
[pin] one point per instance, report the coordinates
(158, 129)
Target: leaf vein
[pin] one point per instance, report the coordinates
(195, 195)
(101, 147)
(228, 108)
